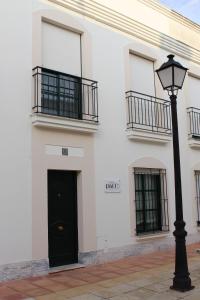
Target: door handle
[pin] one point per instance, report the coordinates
(60, 228)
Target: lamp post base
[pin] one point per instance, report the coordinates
(182, 285)
(181, 280)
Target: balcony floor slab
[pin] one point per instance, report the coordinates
(42, 120)
(148, 137)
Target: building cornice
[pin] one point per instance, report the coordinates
(172, 14)
(114, 19)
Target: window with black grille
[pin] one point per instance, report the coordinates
(61, 94)
(197, 181)
(151, 200)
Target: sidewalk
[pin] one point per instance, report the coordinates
(133, 278)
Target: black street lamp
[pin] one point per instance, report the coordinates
(172, 75)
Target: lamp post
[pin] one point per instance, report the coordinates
(172, 75)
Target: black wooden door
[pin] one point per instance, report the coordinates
(62, 217)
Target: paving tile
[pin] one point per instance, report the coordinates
(125, 297)
(20, 285)
(91, 279)
(107, 283)
(87, 297)
(105, 293)
(123, 288)
(157, 287)
(6, 291)
(142, 282)
(163, 296)
(74, 292)
(51, 297)
(14, 297)
(43, 282)
(36, 292)
(141, 293)
(193, 296)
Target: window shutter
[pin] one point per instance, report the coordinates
(142, 75)
(61, 50)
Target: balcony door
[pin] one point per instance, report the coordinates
(61, 89)
(61, 94)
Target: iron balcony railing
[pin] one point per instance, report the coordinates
(64, 95)
(194, 122)
(148, 113)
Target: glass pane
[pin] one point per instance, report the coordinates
(138, 182)
(139, 201)
(61, 95)
(165, 77)
(148, 206)
(49, 94)
(179, 76)
(70, 97)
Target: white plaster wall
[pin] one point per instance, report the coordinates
(114, 153)
(15, 128)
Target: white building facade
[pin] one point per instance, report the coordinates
(87, 160)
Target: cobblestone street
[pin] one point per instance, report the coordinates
(142, 277)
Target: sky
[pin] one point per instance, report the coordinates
(188, 8)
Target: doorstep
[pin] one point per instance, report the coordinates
(66, 268)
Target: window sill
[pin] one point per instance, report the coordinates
(194, 143)
(147, 136)
(157, 235)
(43, 120)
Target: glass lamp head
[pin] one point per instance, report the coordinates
(171, 74)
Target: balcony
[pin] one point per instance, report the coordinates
(194, 127)
(149, 118)
(64, 101)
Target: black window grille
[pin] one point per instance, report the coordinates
(64, 95)
(194, 122)
(151, 201)
(197, 181)
(148, 113)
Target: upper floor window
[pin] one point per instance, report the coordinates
(145, 111)
(194, 106)
(142, 75)
(59, 88)
(61, 49)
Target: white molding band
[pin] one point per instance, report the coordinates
(172, 14)
(105, 15)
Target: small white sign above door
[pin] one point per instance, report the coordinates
(64, 151)
(112, 186)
